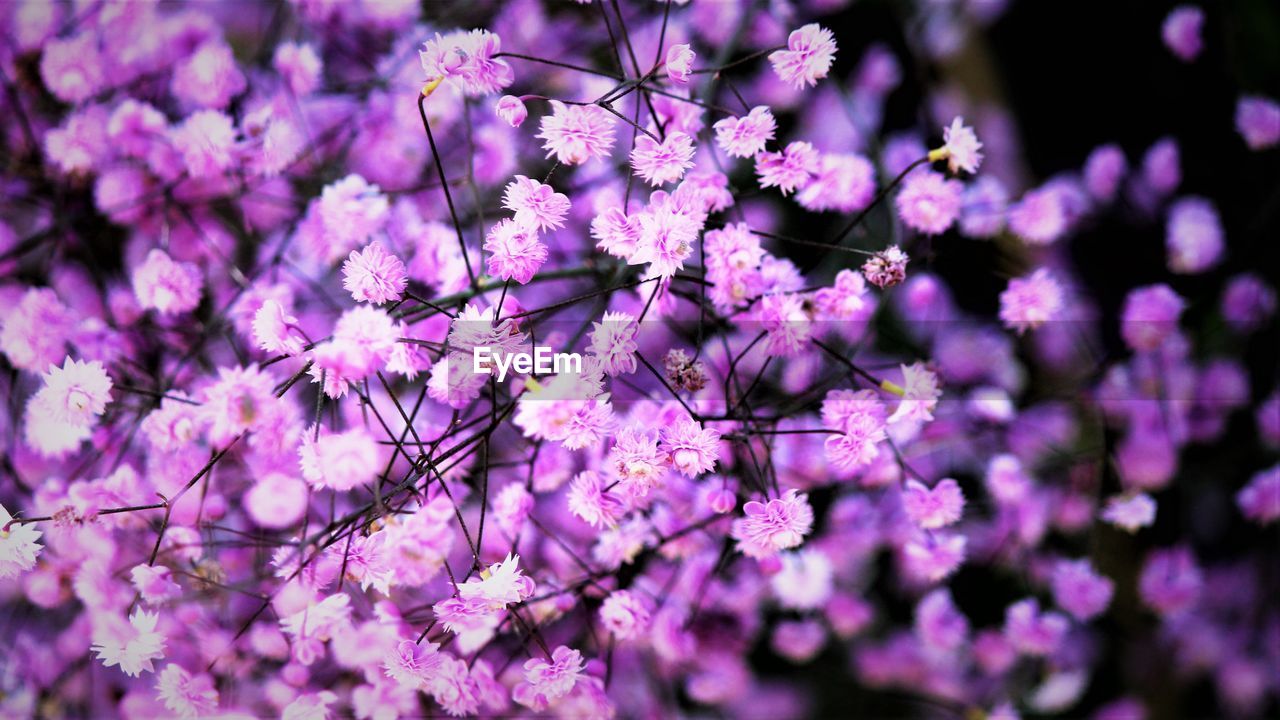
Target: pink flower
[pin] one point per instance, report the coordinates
(962, 147)
(929, 202)
(242, 400)
(76, 393)
(1030, 302)
(625, 614)
(207, 139)
(1031, 631)
(594, 505)
(692, 448)
(939, 624)
(165, 286)
(1038, 218)
(1080, 590)
(1260, 499)
(1194, 236)
(920, 394)
(208, 77)
(185, 695)
(887, 267)
(1150, 315)
(153, 583)
(613, 340)
(1258, 121)
(276, 501)
(1130, 512)
(18, 546)
(860, 418)
(34, 334)
(412, 665)
(515, 253)
(680, 63)
(845, 183)
(662, 162)
(790, 169)
(536, 206)
(615, 232)
(339, 461)
(779, 524)
(546, 682)
(374, 275)
(467, 58)
(350, 210)
(73, 69)
(576, 133)
(935, 556)
(133, 645)
(932, 508)
(512, 110)
(1103, 171)
(808, 57)
(666, 238)
(276, 331)
(299, 65)
(636, 459)
(1181, 32)
(747, 135)
(1171, 581)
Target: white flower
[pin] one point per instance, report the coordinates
(920, 394)
(18, 546)
(133, 647)
(962, 147)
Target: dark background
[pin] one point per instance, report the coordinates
(1076, 75)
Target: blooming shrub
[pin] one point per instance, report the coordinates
(804, 464)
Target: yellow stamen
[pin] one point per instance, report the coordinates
(892, 387)
(431, 86)
(941, 153)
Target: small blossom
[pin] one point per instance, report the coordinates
(790, 169)
(374, 275)
(625, 614)
(207, 139)
(1081, 591)
(545, 682)
(1171, 581)
(76, 393)
(168, 287)
(576, 133)
(808, 57)
(412, 665)
(1260, 499)
(153, 583)
(679, 63)
(1031, 631)
(779, 524)
(935, 556)
(636, 459)
(682, 372)
(747, 135)
(276, 331)
(932, 508)
(662, 162)
(920, 394)
(860, 418)
(184, 694)
(1194, 236)
(592, 503)
(467, 58)
(1181, 32)
(1038, 218)
(886, 268)
(133, 645)
(1032, 301)
(962, 148)
(939, 623)
(515, 253)
(613, 340)
(18, 546)
(208, 77)
(1130, 513)
(512, 110)
(929, 202)
(299, 65)
(536, 206)
(1150, 315)
(1258, 121)
(692, 448)
(339, 461)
